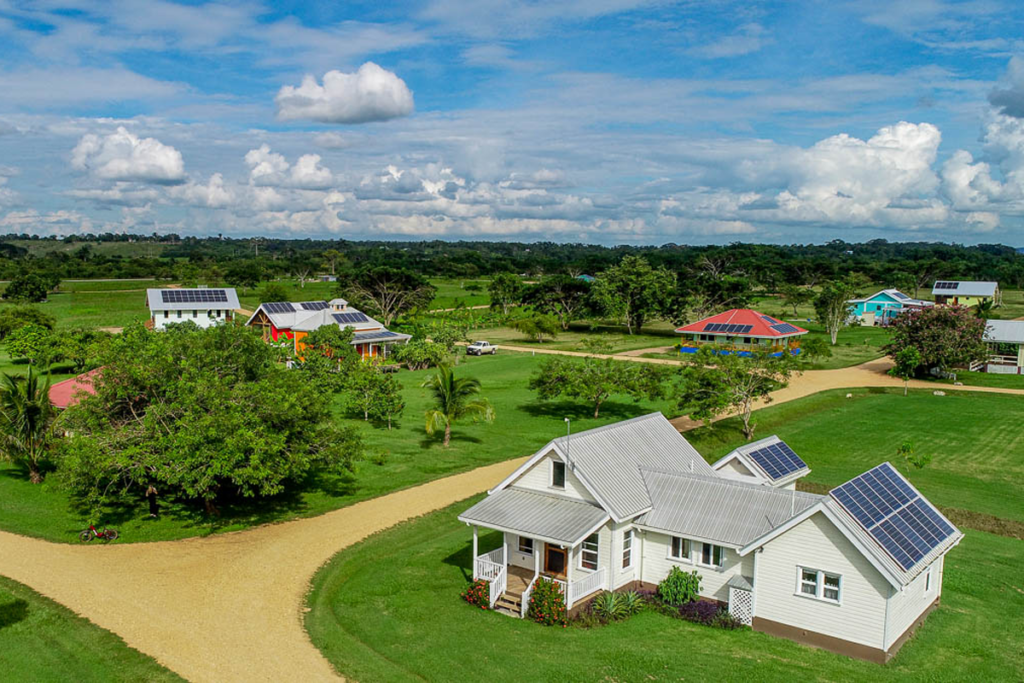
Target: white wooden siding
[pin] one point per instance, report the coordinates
(538, 478)
(521, 559)
(620, 576)
(907, 605)
(816, 543)
(657, 565)
(734, 466)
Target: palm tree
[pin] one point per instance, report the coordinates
(453, 400)
(26, 420)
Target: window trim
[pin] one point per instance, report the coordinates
(929, 580)
(700, 557)
(627, 549)
(819, 585)
(684, 544)
(554, 464)
(595, 551)
(530, 540)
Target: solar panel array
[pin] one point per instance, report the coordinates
(350, 318)
(785, 328)
(770, 320)
(193, 296)
(947, 285)
(730, 329)
(900, 295)
(314, 305)
(777, 460)
(903, 523)
(279, 307)
(383, 334)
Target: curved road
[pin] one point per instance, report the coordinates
(229, 607)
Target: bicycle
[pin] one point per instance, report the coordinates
(92, 532)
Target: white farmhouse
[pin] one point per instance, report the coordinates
(202, 306)
(853, 571)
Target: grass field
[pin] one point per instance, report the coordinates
(43, 641)
(96, 308)
(523, 424)
(388, 609)
(656, 334)
(451, 293)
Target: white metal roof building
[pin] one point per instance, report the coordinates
(201, 306)
(621, 505)
(964, 288)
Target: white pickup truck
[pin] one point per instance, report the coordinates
(479, 348)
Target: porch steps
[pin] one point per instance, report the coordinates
(511, 603)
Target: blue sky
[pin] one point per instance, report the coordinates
(602, 121)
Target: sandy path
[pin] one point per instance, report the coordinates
(640, 352)
(227, 607)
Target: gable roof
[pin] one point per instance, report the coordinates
(894, 295)
(719, 510)
(965, 288)
(195, 299)
(607, 461)
(744, 455)
(306, 316)
(284, 319)
(744, 322)
(70, 391)
(352, 317)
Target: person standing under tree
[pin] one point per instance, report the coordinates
(151, 497)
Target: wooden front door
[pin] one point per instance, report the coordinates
(554, 560)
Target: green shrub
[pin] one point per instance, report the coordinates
(547, 603)
(478, 594)
(608, 606)
(679, 587)
(632, 603)
(380, 457)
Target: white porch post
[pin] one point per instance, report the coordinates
(568, 578)
(536, 558)
(504, 550)
(474, 551)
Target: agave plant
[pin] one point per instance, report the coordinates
(609, 606)
(632, 603)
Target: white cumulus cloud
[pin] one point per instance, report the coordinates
(372, 93)
(122, 155)
(270, 169)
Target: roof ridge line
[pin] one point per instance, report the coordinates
(735, 482)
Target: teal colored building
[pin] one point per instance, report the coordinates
(881, 307)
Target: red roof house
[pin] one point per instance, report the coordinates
(742, 329)
(69, 392)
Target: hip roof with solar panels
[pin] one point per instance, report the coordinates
(743, 322)
(197, 299)
(769, 461)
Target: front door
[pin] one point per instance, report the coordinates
(554, 560)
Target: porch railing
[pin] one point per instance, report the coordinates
(494, 556)
(498, 584)
(525, 606)
(587, 585)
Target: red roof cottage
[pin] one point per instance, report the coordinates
(742, 330)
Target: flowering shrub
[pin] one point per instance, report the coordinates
(478, 594)
(547, 603)
(709, 614)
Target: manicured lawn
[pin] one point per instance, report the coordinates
(656, 334)
(97, 308)
(984, 379)
(451, 293)
(43, 641)
(523, 424)
(388, 609)
(975, 440)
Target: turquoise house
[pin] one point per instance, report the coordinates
(881, 307)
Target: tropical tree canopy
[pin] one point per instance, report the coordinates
(454, 399)
(26, 421)
(944, 336)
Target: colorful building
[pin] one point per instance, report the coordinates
(881, 307)
(965, 292)
(742, 330)
(287, 321)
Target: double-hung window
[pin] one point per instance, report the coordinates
(712, 555)
(821, 585)
(557, 474)
(588, 555)
(526, 545)
(680, 549)
(627, 549)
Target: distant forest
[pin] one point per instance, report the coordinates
(908, 265)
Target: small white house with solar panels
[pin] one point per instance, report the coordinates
(201, 306)
(280, 321)
(965, 292)
(617, 507)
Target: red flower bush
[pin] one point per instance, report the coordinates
(478, 593)
(547, 603)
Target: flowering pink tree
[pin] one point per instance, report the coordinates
(944, 336)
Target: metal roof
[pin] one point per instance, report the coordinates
(1009, 331)
(608, 459)
(900, 298)
(741, 582)
(155, 299)
(716, 509)
(318, 319)
(744, 322)
(966, 288)
(743, 455)
(537, 515)
(382, 335)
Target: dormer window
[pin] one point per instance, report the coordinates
(557, 474)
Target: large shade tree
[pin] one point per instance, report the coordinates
(944, 337)
(634, 291)
(596, 379)
(27, 421)
(386, 292)
(204, 413)
(454, 399)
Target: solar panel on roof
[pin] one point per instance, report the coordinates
(777, 460)
(350, 318)
(768, 319)
(189, 296)
(947, 285)
(900, 295)
(743, 329)
(383, 334)
(903, 523)
(279, 307)
(785, 328)
(314, 305)
(712, 327)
